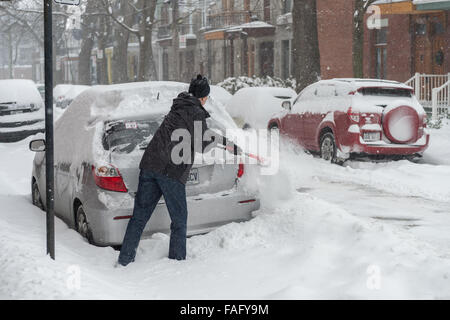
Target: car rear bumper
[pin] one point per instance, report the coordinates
(205, 213)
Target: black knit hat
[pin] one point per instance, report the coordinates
(199, 87)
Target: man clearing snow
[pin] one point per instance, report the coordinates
(161, 175)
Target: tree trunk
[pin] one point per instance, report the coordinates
(120, 54)
(174, 66)
(306, 54)
(361, 7)
(147, 69)
(102, 68)
(87, 43)
(10, 46)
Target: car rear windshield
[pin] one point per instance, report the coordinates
(124, 136)
(386, 92)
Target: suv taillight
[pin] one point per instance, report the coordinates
(241, 170)
(108, 177)
(353, 116)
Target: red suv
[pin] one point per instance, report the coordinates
(343, 118)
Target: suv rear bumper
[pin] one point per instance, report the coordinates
(381, 148)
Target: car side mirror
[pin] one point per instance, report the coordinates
(37, 145)
(287, 105)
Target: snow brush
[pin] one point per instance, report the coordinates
(260, 160)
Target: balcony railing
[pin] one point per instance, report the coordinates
(231, 18)
(165, 31)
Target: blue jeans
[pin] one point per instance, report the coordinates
(151, 187)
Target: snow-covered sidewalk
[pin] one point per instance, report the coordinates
(355, 232)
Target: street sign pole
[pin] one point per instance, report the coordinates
(49, 168)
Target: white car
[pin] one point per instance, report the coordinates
(21, 110)
(254, 107)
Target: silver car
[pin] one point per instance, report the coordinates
(99, 142)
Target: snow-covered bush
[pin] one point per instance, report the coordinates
(233, 84)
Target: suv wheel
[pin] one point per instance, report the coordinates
(82, 225)
(328, 149)
(36, 196)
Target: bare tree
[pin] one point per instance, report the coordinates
(306, 55)
(361, 7)
(144, 14)
(88, 34)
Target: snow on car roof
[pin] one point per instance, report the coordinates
(256, 105)
(358, 83)
(20, 91)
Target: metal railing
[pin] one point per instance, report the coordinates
(230, 18)
(440, 101)
(432, 91)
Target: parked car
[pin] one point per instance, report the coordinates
(21, 110)
(41, 89)
(253, 107)
(99, 142)
(343, 118)
(64, 94)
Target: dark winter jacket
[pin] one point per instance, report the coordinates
(186, 109)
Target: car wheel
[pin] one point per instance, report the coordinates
(82, 225)
(36, 196)
(328, 148)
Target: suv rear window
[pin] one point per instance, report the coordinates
(386, 92)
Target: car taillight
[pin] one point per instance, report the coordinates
(108, 177)
(241, 170)
(421, 128)
(353, 116)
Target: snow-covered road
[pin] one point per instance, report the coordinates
(361, 231)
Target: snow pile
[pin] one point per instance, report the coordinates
(233, 84)
(438, 151)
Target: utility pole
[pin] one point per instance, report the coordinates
(49, 168)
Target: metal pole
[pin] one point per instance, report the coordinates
(49, 170)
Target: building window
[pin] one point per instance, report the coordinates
(421, 29)
(381, 64)
(266, 58)
(381, 53)
(381, 37)
(438, 28)
(266, 10)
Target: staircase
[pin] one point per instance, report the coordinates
(433, 93)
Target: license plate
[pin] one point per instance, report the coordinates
(193, 177)
(371, 136)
